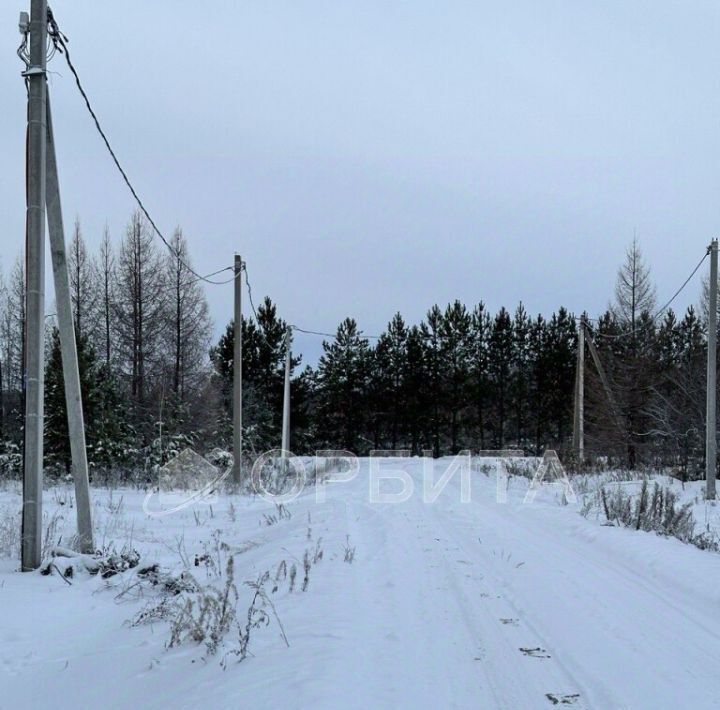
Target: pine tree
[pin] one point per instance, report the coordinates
(105, 430)
(480, 368)
(456, 331)
(342, 375)
(562, 348)
(501, 350)
(540, 387)
(519, 388)
(415, 392)
(387, 384)
(432, 339)
(263, 373)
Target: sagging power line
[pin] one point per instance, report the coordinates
(60, 41)
(659, 311)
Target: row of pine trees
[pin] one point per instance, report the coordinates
(153, 381)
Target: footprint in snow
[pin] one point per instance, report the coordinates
(558, 699)
(536, 652)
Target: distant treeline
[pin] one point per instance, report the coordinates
(462, 378)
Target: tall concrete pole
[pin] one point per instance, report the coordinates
(237, 374)
(34, 291)
(710, 416)
(68, 346)
(286, 398)
(579, 423)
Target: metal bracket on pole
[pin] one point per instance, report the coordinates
(34, 71)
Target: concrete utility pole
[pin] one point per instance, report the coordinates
(710, 416)
(34, 291)
(286, 398)
(579, 423)
(68, 346)
(617, 416)
(237, 375)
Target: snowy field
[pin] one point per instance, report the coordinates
(451, 604)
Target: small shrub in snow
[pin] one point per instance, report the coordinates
(206, 616)
(10, 460)
(256, 617)
(106, 563)
(280, 574)
(220, 458)
(153, 577)
(212, 558)
(306, 568)
(9, 531)
(349, 551)
(657, 511)
(281, 513)
(707, 541)
(52, 536)
(520, 467)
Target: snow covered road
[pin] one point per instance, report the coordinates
(446, 605)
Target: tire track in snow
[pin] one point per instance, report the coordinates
(553, 677)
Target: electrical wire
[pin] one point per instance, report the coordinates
(660, 311)
(60, 41)
(59, 44)
(249, 288)
(685, 283)
(183, 284)
(290, 325)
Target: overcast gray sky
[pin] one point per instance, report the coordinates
(367, 157)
